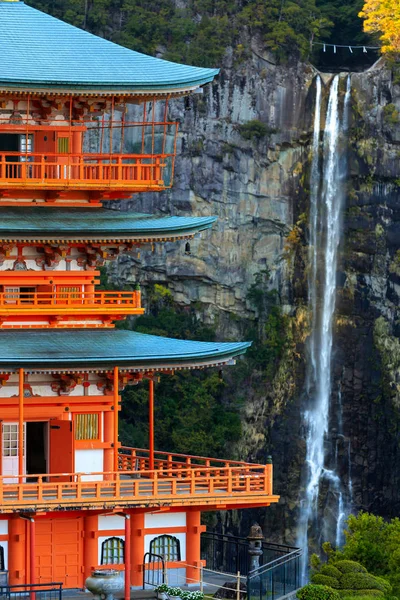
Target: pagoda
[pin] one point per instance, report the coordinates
(83, 121)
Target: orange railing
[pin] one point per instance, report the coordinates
(231, 483)
(172, 463)
(14, 301)
(97, 171)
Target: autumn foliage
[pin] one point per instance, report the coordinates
(383, 16)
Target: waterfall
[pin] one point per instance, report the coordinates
(327, 188)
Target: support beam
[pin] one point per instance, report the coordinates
(17, 550)
(90, 550)
(21, 425)
(32, 555)
(193, 529)
(109, 437)
(151, 424)
(127, 557)
(116, 405)
(137, 548)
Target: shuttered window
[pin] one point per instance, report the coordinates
(166, 546)
(113, 551)
(87, 427)
(63, 145)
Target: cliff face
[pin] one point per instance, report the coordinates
(256, 183)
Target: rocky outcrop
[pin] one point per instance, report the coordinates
(257, 186)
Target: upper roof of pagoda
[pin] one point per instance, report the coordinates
(45, 350)
(62, 224)
(41, 53)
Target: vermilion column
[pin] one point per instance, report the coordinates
(151, 424)
(90, 550)
(21, 425)
(127, 557)
(116, 406)
(137, 548)
(108, 437)
(193, 532)
(17, 550)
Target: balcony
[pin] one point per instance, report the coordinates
(24, 303)
(113, 172)
(176, 481)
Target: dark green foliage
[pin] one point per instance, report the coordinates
(317, 592)
(360, 581)
(331, 571)
(320, 579)
(349, 566)
(200, 32)
(364, 594)
(254, 130)
(193, 415)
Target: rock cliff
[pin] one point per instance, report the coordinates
(255, 180)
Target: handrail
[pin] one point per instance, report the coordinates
(229, 537)
(155, 572)
(170, 458)
(274, 563)
(13, 299)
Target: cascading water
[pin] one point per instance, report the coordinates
(327, 185)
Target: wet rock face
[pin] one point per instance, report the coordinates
(258, 189)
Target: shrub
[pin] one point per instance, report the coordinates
(386, 585)
(317, 592)
(360, 581)
(321, 579)
(350, 566)
(331, 571)
(254, 130)
(361, 594)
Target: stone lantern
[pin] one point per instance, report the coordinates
(255, 550)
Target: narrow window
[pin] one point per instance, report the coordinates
(62, 145)
(113, 551)
(2, 565)
(166, 546)
(87, 427)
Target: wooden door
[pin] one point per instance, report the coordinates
(61, 448)
(59, 551)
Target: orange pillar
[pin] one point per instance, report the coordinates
(127, 557)
(32, 554)
(137, 548)
(109, 437)
(193, 531)
(151, 424)
(17, 550)
(116, 406)
(21, 425)
(90, 550)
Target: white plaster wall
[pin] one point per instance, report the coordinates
(3, 527)
(89, 461)
(164, 520)
(107, 522)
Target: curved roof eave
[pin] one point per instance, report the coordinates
(102, 348)
(40, 53)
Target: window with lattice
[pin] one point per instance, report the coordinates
(113, 551)
(87, 427)
(166, 546)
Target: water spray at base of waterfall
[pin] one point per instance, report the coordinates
(327, 189)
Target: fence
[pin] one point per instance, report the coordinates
(153, 570)
(276, 578)
(39, 591)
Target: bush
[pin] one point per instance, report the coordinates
(360, 581)
(320, 579)
(386, 585)
(254, 130)
(331, 571)
(350, 566)
(361, 594)
(317, 592)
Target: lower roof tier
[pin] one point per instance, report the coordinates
(45, 350)
(61, 224)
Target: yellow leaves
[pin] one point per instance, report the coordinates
(383, 16)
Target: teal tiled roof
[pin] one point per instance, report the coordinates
(38, 50)
(38, 222)
(55, 349)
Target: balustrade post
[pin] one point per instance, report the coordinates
(268, 476)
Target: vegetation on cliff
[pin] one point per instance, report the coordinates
(199, 31)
